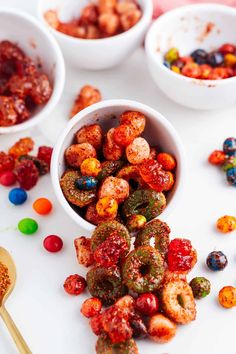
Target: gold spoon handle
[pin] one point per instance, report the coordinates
(18, 339)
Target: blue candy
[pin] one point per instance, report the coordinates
(86, 183)
(229, 146)
(216, 260)
(231, 176)
(166, 63)
(17, 196)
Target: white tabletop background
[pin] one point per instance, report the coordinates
(49, 319)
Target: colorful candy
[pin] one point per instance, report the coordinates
(201, 287)
(226, 224)
(227, 297)
(42, 206)
(147, 304)
(27, 174)
(75, 284)
(17, 196)
(181, 255)
(28, 226)
(229, 146)
(7, 178)
(53, 243)
(86, 183)
(217, 157)
(216, 261)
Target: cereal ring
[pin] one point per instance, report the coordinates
(104, 230)
(136, 119)
(131, 174)
(145, 202)
(114, 187)
(109, 168)
(77, 153)
(105, 284)
(137, 151)
(143, 270)
(178, 301)
(105, 346)
(111, 150)
(73, 195)
(158, 230)
(91, 134)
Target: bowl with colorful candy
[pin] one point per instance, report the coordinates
(118, 160)
(191, 54)
(32, 72)
(97, 34)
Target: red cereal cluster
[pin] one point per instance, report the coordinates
(181, 256)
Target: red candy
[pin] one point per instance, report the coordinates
(217, 157)
(109, 252)
(7, 162)
(75, 284)
(45, 154)
(152, 173)
(227, 49)
(7, 178)
(180, 256)
(27, 174)
(147, 304)
(53, 243)
(91, 307)
(21, 147)
(192, 70)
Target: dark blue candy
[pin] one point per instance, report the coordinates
(216, 260)
(86, 183)
(231, 176)
(215, 59)
(229, 146)
(17, 196)
(199, 56)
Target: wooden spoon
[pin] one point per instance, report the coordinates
(6, 260)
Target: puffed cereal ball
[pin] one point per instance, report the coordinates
(201, 287)
(114, 187)
(90, 167)
(167, 161)
(226, 224)
(107, 207)
(77, 153)
(227, 297)
(138, 151)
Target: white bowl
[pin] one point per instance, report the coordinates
(205, 26)
(39, 44)
(158, 131)
(99, 53)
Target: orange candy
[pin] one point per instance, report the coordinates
(42, 206)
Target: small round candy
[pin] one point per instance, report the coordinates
(199, 56)
(28, 226)
(107, 207)
(91, 167)
(201, 287)
(42, 206)
(229, 146)
(231, 176)
(216, 261)
(53, 243)
(215, 59)
(217, 157)
(86, 183)
(172, 55)
(17, 196)
(227, 297)
(229, 163)
(7, 178)
(226, 224)
(136, 222)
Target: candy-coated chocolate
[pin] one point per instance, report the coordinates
(17, 196)
(28, 226)
(53, 243)
(42, 206)
(7, 178)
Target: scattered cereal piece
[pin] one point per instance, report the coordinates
(90, 167)
(75, 284)
(216, 261)
(91, 307)
(226, 224)
(227, 297)
(201, 287)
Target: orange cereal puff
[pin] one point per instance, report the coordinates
(88, 95)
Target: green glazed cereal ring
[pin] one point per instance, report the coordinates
(143, 270)
(105, 346)
(131, 174)
(105, 284)
(146, 202)
(74, 195)
(109, 168)
(104, 230)
(158, 230)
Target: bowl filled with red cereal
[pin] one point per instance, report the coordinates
(32, 72)
(97, 34)
(118, 160)
(191, 54)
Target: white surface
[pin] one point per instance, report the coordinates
(49, 319)
(158, 129)
(186, 29)
(40, 45)
(96, 54)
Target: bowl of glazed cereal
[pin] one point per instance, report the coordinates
(97, 34)
(118, 160)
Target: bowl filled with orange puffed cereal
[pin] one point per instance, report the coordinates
(118, 160)
(32, 72)
(97, 34)
(191, 54)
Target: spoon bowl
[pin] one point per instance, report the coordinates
(6, 259)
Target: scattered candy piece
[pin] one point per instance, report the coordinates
(227, 297)
(201, 287)
(231, 176)
(229, 146)
(28, 226)
(147, 304)
(42, 206)
(226, 224)
(75, 284)
(17, 196)
(181, 255)
(217, 157)
(216, 261)
(7, 178)
(53, 243)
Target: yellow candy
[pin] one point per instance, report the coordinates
(227, 297)
(107, 208)
(90, 167)
(172, 55)
(230, 59)
(175, 69)
(226, 224)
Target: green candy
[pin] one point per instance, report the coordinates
(229, 163)
(28, 226)
(201, 287)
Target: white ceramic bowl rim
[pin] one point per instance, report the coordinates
(58, 84)
(146, 14)
(180, 10)
(109, 103)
